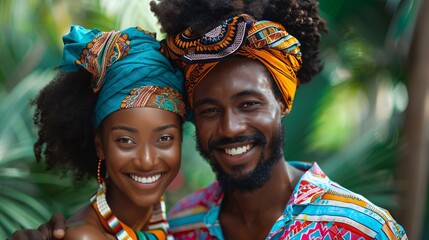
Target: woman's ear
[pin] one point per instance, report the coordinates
(283, 108)
(99, 145)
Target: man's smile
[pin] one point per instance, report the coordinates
(238, 150)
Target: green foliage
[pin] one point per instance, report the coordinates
(349, 117)
(21, 186)
(30, 46)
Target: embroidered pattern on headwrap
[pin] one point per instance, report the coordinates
(128, 70)
(155, 97)
(268, 42)
(114, 43)
(219, 43)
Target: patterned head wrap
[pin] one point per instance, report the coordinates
(268, 42)
(128, 70)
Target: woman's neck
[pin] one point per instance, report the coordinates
(127, 211)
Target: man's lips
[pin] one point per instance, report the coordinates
(234, 151)
(236, 154)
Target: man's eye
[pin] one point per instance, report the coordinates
(165, 138)
(209, 111)
(249, 104)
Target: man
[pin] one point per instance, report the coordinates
(241, 77)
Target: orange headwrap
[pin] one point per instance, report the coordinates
(268, 42)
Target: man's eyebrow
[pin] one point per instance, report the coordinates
(247, 93)
(243, 93)
(206, 101)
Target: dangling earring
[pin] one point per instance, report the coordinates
(100, 180)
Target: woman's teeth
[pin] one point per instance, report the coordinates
(145, 179)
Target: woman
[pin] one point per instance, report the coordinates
(115, 108)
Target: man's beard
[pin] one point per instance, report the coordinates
(253, 180)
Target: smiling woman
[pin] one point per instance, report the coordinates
(116, 99)
(142, 151)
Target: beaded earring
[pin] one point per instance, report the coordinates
(100, 180)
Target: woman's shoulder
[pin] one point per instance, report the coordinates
(84, 231)
(85, 224)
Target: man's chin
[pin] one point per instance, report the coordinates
(238, 178)
(246, 180)
(242, 180)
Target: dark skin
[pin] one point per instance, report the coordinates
(236, 98)
(53, 229)
(140, 142)
(251, 215)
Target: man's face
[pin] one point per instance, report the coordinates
(238, 123)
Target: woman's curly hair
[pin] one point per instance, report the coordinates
(300, 18)
(64, 118)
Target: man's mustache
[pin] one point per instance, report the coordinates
(256, 139)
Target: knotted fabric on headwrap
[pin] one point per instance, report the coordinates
(268, 42)
(128, 70)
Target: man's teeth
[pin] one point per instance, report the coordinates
(239, 150)
(145, 179)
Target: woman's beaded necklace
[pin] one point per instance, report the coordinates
(157, 226)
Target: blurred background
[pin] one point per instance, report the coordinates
(364, 119)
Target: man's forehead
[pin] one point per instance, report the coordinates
(216, 94)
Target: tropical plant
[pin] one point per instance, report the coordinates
(30, 46)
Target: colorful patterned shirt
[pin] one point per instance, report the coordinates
(318, 209)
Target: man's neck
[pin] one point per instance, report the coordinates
(258, 210)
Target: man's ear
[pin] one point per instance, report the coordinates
(98, 145)
(283, 107)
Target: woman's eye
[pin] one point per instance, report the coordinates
(125, 140)
(165, 138)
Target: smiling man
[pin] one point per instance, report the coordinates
(238, 122)
(243, 61)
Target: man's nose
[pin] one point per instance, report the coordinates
(232, 124)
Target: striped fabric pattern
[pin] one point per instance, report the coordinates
(318, 209)
(158, 225)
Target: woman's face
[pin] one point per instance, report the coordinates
(141, 148)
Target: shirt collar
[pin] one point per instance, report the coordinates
(313, 184)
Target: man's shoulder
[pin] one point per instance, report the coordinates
(317, 189)
(353, 211)
(340, 196)
(318, 199)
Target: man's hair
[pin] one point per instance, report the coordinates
(64, 117)
(300, 18)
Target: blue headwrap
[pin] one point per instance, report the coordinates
(128, 70)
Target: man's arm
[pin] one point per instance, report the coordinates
(54, 229)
